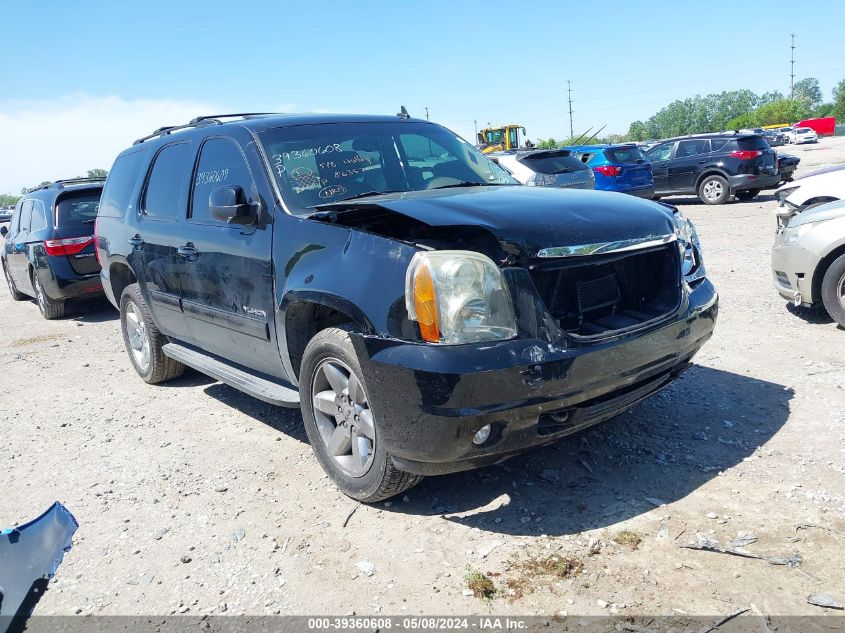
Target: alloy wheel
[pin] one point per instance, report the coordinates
(139, 340)
(39, 295)
(713, 190)
(343, 416)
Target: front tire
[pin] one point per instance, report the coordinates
(833, 290)
(143, 340)
(341, 427)
(49, 309)
(714, 190)
(16, 296)
(747, 194)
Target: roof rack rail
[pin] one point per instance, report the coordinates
(209, 119)
(60, 184)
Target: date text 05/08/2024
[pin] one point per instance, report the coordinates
(420, 623)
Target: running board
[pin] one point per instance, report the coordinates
(270, 392)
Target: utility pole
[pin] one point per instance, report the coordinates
(792, 68)
(426, 114)
(476, 128)
(571, 127)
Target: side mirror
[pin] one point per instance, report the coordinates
(4, 231)
(228, 204)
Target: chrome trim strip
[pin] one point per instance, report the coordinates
(603, 248)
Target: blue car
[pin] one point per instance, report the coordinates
(621, 168)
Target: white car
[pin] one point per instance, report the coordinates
(803, 135)
(811, 190)
(546, 168)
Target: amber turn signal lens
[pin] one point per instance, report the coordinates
(425, 304)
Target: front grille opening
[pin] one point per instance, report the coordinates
(597, 296)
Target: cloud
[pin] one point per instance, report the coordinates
(66, 136)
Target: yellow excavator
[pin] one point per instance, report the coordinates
(497, 139)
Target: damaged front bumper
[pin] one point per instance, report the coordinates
(431, 400)
(792, 271)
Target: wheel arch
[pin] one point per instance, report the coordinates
(821, 269)
(120, 276)
(711, 171)
(304, 314)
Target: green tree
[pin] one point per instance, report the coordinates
(97, 173)
(838, 110)
(822, 110)
(8, 200)
(638, 131)
(808, 92)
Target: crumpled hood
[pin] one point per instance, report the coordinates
(531, 218)
(829, 211)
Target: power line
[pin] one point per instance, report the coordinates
(792, 68)
(571, 127)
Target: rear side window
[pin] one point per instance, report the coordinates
(661, 152)
(692, 148)
(752, 142)
(39, 216)
(167, 181)
(221, 164)
(120, 184)
(78, 209)
(553, 163)
(718, 144)
(624, 154)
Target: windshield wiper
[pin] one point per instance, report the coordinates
(473, 184)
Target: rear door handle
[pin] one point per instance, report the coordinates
(136, 242)
(701, 162)
(188, 252)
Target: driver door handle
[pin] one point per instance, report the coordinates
(188, 252)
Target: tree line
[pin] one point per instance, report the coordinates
(739, 109)
(10, 200)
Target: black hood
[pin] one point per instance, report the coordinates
(531, 218)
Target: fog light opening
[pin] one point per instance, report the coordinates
(482, 435)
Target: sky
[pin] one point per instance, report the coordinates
(81, 80)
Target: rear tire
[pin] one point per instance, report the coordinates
(16, 296)
(714, 190)
(143, 340)
(49, 309)
(747, 194)
(331, 375)
(833, 290)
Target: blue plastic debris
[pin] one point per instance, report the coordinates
(29, 557)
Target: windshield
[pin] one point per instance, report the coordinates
(553, 162)
(333, 162)
(494, 137)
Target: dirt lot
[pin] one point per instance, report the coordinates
(193, 498)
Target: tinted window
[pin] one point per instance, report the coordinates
(661, 152)
(624, 154)
(121, 183)
(717, 144)
(692, 148)
(16, 219)
(26, 215)
(78, 209)
(39, 216)
(221, 164)
(752, 142)
(167, 181)
(553, 163)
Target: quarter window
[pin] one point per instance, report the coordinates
(26, 216)
(221, 164)
(39, 217)
(167, 181)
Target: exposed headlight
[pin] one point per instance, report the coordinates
(458, 297)
(792, 234)
(691, 265)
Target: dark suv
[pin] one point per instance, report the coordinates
(427, 313)
(49, 249)
(713, 166)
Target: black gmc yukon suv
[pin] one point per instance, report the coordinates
(427, 313)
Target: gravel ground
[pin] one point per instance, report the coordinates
(193, 498)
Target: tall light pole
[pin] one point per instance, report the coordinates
(571, 127)
(792, 68)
